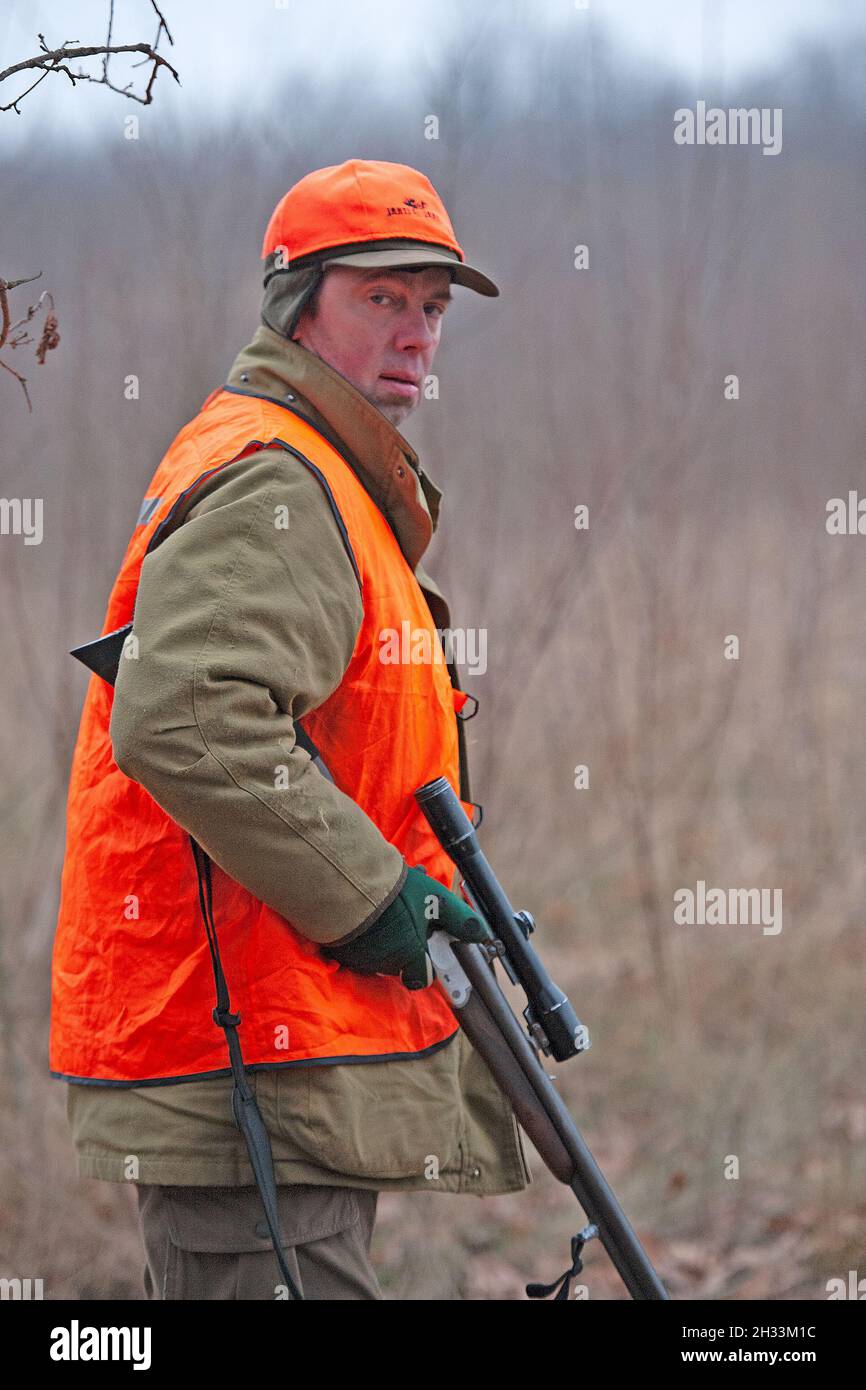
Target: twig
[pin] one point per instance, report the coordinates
(54, 60)
(5, 286)
(23, 380)
(9, 335)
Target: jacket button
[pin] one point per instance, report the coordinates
(476, 1172)
(289, 396)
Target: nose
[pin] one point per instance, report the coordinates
(416, 330)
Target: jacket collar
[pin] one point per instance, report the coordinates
(385, 463)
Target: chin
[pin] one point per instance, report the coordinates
(395, 412)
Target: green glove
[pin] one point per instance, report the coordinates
(396, 943)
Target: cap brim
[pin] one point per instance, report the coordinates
(462, 274)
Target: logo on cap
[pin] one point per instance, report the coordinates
(410, 205)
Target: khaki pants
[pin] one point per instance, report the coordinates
(213, 1243)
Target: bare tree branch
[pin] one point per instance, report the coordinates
(45, 62)
(54, 60)
(14, 335)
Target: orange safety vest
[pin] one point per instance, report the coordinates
(132, 978)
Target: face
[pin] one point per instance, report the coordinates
(373, 326)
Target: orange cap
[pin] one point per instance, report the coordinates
(372, 213)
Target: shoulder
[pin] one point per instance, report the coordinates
(271, 509)
(272, 489)
(245, 481)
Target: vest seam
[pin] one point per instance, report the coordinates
(153, 540)
(276, 442)
(225, 1073)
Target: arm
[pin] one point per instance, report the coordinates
(242, 627)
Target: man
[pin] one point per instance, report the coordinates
(241, 812)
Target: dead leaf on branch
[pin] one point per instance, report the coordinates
(16, 335)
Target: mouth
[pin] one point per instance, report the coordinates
(402, 383)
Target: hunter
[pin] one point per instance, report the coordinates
(242, 830)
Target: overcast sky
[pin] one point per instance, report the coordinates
(222, 46)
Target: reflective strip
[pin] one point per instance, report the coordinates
(148, 507)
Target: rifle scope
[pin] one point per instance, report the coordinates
(552, 1023)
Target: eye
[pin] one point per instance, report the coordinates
(438, 307)
(380, 294)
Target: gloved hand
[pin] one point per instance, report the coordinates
(396, 943)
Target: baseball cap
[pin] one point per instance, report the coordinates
(366, 213)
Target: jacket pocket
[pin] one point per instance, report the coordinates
(402, 1119)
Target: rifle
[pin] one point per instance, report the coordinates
(467, 973)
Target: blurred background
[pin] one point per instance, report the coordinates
(602, 386)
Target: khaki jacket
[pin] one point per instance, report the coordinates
(361, 1125)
